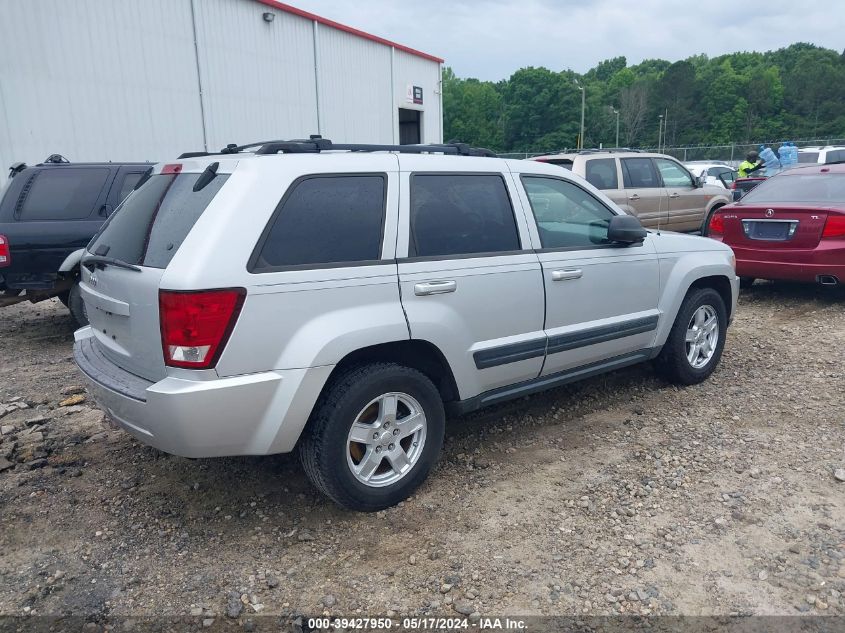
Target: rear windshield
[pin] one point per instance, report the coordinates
(808, 157)
(560, 162)
(151, 224)
(810, 188)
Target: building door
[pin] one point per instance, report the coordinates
(409, 126)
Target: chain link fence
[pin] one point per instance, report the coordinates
(732, 153)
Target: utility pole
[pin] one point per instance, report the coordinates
(583, 101)
(616, 112)
(659, 131)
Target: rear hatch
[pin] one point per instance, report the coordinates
(126, 260)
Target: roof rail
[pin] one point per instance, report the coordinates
(316, 144)
(611, 150)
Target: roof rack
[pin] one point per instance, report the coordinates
(611, 150)
(316, 144)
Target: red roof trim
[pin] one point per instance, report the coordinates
(348, 29)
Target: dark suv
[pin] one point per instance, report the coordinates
(48, 213)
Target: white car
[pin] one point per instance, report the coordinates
(712, 172)
(821, 155)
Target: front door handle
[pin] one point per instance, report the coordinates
(564, 275)
(434, 288)
(675, 195)
(634, 197)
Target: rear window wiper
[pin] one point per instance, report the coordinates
(110, 261)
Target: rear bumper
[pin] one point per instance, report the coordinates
(788, 270)
(253, 414)
(798, 264)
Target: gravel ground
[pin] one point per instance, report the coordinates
(615, 496)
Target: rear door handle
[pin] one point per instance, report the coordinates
(569, 273)
(634, 197)
(675, 195)
(435, 288)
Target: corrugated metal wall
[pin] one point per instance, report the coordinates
(97, 80)
(109, 80)
(416, 71)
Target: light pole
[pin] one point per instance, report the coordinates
(616, 112)
(659, 131)
(581, 137)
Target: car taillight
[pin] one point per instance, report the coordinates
(733, 185)
(834, 226)
(717, 224)
(195, 326)
(5, 254)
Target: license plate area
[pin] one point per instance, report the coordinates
(770, 230)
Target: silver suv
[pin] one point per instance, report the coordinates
(341, 302)
(656, 188)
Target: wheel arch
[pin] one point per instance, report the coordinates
(417, 354)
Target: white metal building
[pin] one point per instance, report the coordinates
(149, 79)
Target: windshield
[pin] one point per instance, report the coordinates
(150, 225)
(824, 189)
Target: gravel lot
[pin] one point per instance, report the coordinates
(617, 495)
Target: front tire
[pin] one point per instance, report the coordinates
(374, 436)
(695, 343)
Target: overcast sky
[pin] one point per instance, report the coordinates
(490, 39)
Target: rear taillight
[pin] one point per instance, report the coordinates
(717, 224)
(834, 226)
(195, 326)
(5, 255)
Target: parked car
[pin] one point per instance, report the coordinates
(654, 187)
(48, 213)
(713, 173)
(823, 155)
(741, 186)
(341, 301)
(792, 226)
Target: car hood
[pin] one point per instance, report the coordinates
(670, 242)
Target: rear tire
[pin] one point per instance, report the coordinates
(396, 413)
(77, 306)
(695, 343)
(746, 282)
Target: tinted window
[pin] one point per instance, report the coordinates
(601, 173)
(151, 225)
(810, 188)
(835, 155)
(325, 220)
(567, 216)
(673, 174)
(67, 193)
(808, 157)
(128, 184)
(460, 215)
(638, 173)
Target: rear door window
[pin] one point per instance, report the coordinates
(127, 184)
(324, 220)
(460, 214)
(639, 173)
(601, 173)
(62, 193)
(151, 225)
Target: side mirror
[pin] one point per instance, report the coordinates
(700, 181)
(625, 229)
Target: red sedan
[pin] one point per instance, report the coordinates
(791, 226)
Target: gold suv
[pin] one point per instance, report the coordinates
(654, 187)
